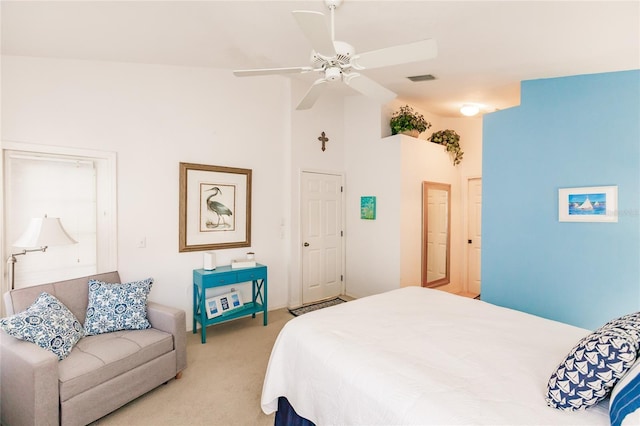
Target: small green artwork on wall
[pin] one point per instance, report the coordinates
(368, 208)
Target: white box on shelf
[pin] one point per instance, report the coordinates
(209, 261)
(243, 263)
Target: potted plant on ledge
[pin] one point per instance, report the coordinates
(451, 140)
(406, 121)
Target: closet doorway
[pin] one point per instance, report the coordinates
(474, 232)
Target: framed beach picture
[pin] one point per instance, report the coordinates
(212, 306)
(215, 207)
(235, 300)
(588, 204)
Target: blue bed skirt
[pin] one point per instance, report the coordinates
(287, 416)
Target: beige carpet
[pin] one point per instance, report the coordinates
(222, 383)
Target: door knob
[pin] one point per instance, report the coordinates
(306, 244)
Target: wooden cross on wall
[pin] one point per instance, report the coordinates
(324, 139)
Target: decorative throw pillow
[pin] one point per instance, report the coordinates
(114, 307)
(625, 398)
(47, 323)
(629, 323)
(589, 372)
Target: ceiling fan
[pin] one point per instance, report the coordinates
(338, 61)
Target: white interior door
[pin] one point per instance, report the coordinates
(321, 220)
(474, 246)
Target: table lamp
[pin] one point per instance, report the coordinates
(42, 232)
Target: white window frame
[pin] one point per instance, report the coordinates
(106, 202)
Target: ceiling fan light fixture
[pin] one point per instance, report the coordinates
(333, 74)
(469, 110)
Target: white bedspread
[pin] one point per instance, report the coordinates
(420, 356)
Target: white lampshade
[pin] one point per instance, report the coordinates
(44, 232)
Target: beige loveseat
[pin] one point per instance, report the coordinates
(102, 372)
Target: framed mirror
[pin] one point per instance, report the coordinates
(436, 233)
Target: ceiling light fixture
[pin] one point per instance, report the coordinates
(469, 110)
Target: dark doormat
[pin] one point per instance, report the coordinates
(316, 306)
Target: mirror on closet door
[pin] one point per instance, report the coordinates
(436, 233)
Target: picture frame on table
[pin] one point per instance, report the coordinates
(214, 208)
(225, 303)
(588, 204)
(235, 300)
(212, 306)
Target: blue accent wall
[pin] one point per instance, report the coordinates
(568, 132)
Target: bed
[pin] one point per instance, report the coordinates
(421, 356)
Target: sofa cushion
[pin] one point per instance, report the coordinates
(97, 359)
(47, 323)
(115, 306)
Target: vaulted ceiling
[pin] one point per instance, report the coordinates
(485, 48)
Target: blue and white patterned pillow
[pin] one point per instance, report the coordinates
(625, 398)
(47, 323)
(114, 307)
(630, 323)
(591, 369)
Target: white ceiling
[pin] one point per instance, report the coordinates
(485, 47)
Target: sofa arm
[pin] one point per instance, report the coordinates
(171, 320)
(29, 375)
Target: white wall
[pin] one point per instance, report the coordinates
(386, 253)
(425, 161)
(327, 115)
(373, 169)
(154, 117)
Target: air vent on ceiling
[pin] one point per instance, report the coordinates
(424, 77)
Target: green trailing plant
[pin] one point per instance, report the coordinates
(406, 119)
(451, 140)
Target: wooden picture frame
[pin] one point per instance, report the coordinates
(588, 204)
(215, 207)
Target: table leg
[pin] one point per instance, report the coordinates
(195, 304)
(203, 330)
(254, 283)
(264, 300)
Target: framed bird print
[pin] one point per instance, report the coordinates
(215, 207)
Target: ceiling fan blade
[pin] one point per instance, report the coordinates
(314, 27)
(270, 71)
(369, 88)
(394, 55)
(312, 94)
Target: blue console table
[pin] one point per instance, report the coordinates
(224, 276)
